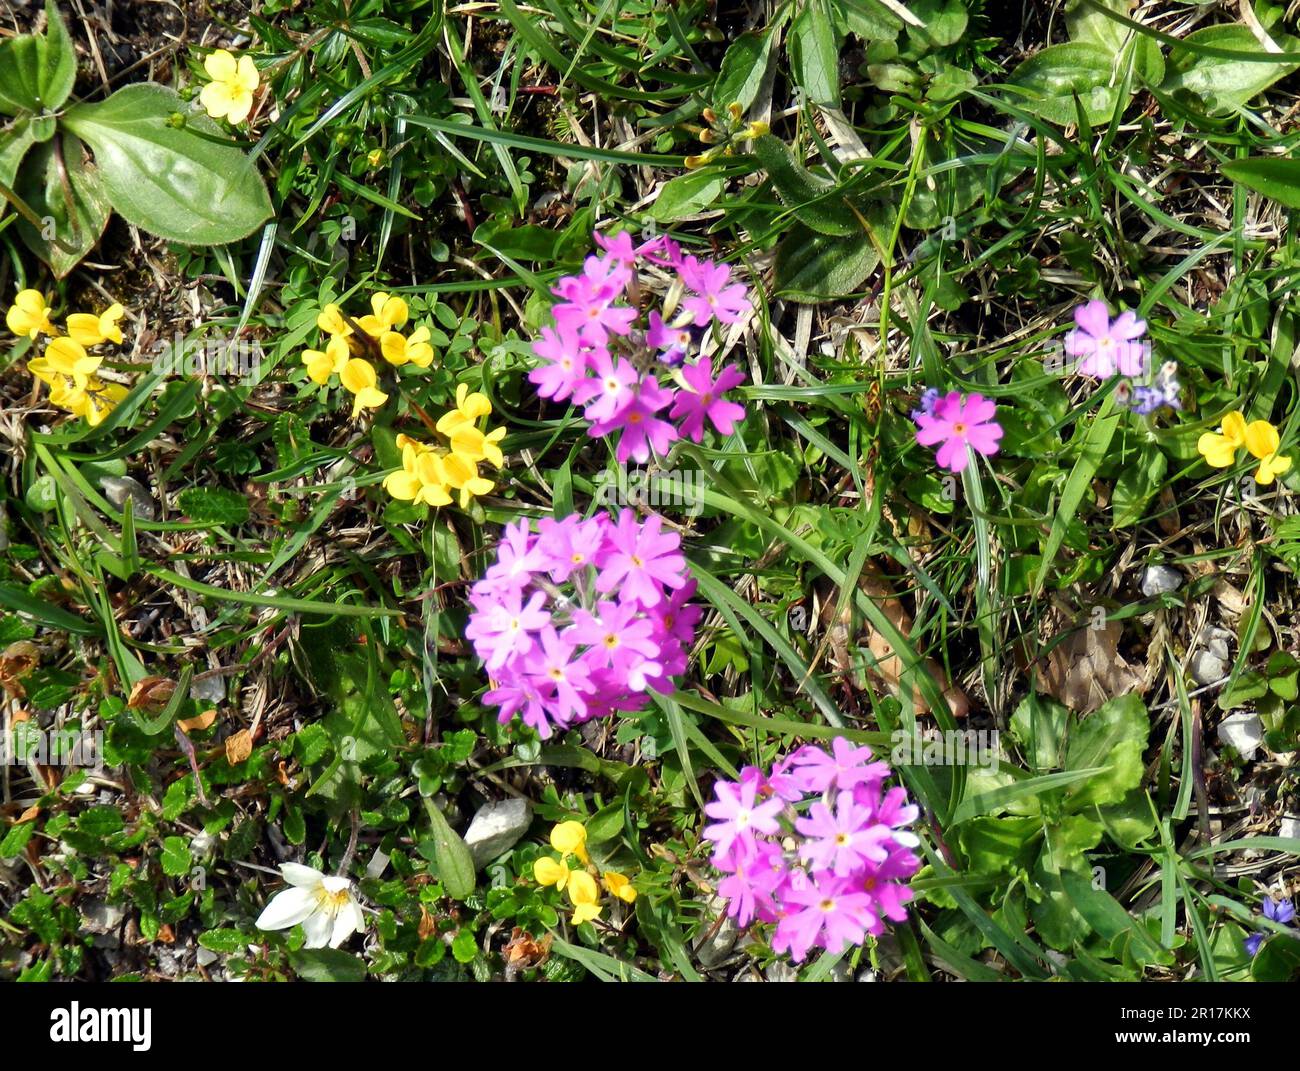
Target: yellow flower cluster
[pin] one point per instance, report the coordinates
(353, 345)
(723, 133)
(1259, 437)
(66, 367)
(429, 474)
(570, 839)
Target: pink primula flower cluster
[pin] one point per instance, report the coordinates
(827, 874)
(577, 619)
(632, 376)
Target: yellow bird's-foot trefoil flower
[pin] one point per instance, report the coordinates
(230, 93)
(401, 349)
(329, 362)
(386, 314)
(359, 378)
(1263, 441)
(30, 315)
(620, 886)
(584, 894)
(89, 329)
(1219, 450)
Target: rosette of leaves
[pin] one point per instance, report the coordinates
(64, 166)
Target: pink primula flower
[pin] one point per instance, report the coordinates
(1105, 345)
(961, 423)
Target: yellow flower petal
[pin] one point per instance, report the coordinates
(367, 398)
(217, 99)
(1218, 450)
(1234, 429)
(357, 375)
(548, 871)
(241, 104)
(331, 321)
(585, 913)
(1261, 438)
(246, 76)
(1270, 468)
(403, 485)
(220, 65)
(29, 315)
(583, 888)
(619, 886)
(569, 838)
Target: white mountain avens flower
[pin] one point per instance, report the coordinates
(323, 904)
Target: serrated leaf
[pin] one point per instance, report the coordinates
(327, 965)
(213, 505)
(1113, 736)
(37, 70)
(187, 184)
(176, 857)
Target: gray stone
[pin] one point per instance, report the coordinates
(496, 828)
(1159, 579)
(1244, 732)
(718, 939)
(1207, 667)
(208, 689)
(118, 488)
(1290, 826)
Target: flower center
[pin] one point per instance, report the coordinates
(959, 429)
(827, 905)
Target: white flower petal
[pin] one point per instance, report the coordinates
(347, 922)
(337, 885)
(318, 928)
(286, 909)
(304, 877)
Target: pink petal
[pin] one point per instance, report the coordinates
(1093, 318)
(953, 454)
(1127, 326)
(984, 438)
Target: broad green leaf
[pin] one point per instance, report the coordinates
(1277, 177)
(14, 144)
(743, 68)
(73, 214)
(1050, 80)
(451, 855)
(812, 267)
(213, 505)
(1039, 726)
(176, 857)
(37, 70)
(687, 195)
(1105, 915)
(1113, 736)
(1278, 959)
(945, 21)
(1089, 25)
(810, 197)
(1136, 486)
(815, 55)
(327, 965)
(225, 940)
(999, 845)
(980, 803)
(186, 183)
(1226, 84)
